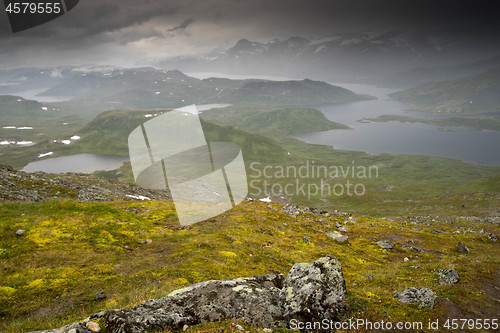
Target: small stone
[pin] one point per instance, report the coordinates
(20, 232)
(142, 242)
(343, 229)
(322, 220)
(406, 259)
(492, 237)
(185, 327)
(338, 225)
(447, 276)
(306, 239)
(271, 207)
(337, 236)
(424, 296)
(369, 277)
(149, 241)
(100, 296)
(462, 248)
(93, 327)
(385, 244)
(350, 219)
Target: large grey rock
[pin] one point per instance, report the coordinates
(314, 291)
(447, 276)
(311, 292)
(423, 296)
(254, 300)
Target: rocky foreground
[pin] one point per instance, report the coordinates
(311, 292)
(119, 253)
(39, 186)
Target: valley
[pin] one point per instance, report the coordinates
(83, 235)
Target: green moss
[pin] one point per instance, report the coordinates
(72, 250)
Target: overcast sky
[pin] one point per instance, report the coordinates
(126, 32)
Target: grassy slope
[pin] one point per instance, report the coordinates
(404, 181)
(54, 124)
(409, 183)
(455, 96)
(273, 123)
(72, 250)
(401, 178)
(108, 134)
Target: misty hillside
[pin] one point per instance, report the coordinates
(420, 75)
(274, 123)
(149, 88)
(27, 78)
(474, 93)
(353, 57)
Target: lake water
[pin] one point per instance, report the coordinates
(86, 163)
(471, 145)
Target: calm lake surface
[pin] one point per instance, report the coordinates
(471, 145)
(86, 163)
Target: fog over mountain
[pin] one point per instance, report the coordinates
(354, 57)
(132, 33)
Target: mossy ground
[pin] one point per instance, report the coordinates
(71, 250)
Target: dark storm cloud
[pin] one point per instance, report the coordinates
(183, 25)
(100, 30)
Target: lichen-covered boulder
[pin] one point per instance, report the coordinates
(314, 291)
(254, 300)
(448, 276)
(311, 292)
(424, 296)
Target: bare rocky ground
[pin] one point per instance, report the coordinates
(39, 186)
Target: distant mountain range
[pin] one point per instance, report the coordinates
(479, 92)
(150, 88)
(354, 57)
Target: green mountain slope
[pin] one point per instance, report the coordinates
(108, 134)
(471, 94)
(23, 120)
(271, 122)
(286, 93)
